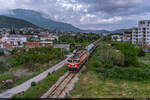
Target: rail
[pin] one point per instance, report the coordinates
(57, 90)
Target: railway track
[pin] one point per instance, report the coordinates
(64, 84)
(57, 90)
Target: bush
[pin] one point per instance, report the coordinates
(1, 53)
(107, 55)
(129, 73)
(49, 73)
(33, 84)
(37, 55)
(141, 53)
(3, 66)
(129, 51)
(105, 60)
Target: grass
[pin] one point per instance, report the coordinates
(91, 85)
(6, 76)
(41, 87)
(146, 58)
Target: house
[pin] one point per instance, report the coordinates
(50, 37)
(53, 37)
(44, 38)
(32, 44)
(127, 36)
(16, 41)
(65, 46)
(6, 47)
(116, 37)
(46, 43)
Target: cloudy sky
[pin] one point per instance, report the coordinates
(87, 14)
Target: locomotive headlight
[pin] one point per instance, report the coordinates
(76, 65)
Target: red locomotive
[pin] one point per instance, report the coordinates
(77, 60)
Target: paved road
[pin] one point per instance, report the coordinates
(24, 86)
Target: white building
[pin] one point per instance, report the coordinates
(49, 37)
(65, 46)
(141, 34)
(117, 37)
(17, 41)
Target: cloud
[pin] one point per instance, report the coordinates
(86, 14)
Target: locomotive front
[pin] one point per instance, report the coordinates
(75, 62)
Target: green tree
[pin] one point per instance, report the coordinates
(130, 53)
(141, 53)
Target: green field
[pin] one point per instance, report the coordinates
(92, 85)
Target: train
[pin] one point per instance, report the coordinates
(76, 61)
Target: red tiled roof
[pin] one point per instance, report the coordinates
(7, 44)
(128, 31)
(146, 46)
(32, 44)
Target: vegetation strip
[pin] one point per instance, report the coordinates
(110, 74)
(25, 65)
(40, 88)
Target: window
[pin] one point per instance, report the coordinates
(142, 22)
(76, 61)
(70, 61)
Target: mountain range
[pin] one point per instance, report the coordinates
(8, 22)
(37, 19)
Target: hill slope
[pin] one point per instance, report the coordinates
(7, 22)
(37, 19)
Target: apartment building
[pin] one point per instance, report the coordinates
(141, 34)
(127, 35)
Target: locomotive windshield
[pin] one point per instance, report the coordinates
(76, 61)
(70, 61)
